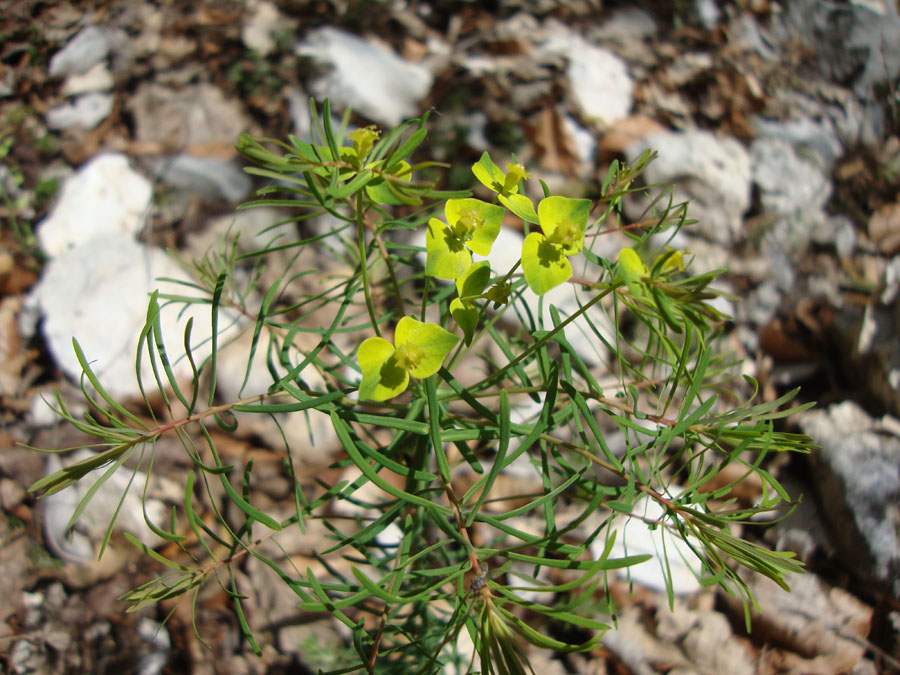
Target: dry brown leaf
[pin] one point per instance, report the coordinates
(884, 228)
(13, 356)
(628, 131)
(817, 629)
(554, 148)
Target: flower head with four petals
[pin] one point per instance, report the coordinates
(419, 349)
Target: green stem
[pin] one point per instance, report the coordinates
(364, 262)
(424, 298)
(461, 348)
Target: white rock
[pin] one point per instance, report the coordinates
(598, 78)
(105, 197)
(585, 142)
(366, 76)
(711, 172)
(476, 122)
(259, 29)
(86, 49)
(97, 293)
(92, 524)
(157, 636)
(634, 537)
(86, 111)
(600, 84)
(708, 12)
(97, 78)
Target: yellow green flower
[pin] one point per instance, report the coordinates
(545, 256)
(419, 349)
(493, 178)
(506, 185)
(471, 225)
(363, 140)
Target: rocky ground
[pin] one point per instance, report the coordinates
(779, 122)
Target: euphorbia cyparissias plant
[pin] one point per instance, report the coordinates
(419, 349)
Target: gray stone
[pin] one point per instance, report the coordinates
(85, 111)
(793, 189)
(711, 172)
(97, 78)
(805, 134)
(626, 24)
(88, 48)
(876, 357)
(7, 82)
(212, 178)
(180, 118)
(853, 45)
(857, 475)
(746, 34)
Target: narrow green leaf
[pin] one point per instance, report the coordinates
(156, 556)
(245, 506)
(343, 432)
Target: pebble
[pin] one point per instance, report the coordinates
(88, 48)
(259, 30)
(85, 111)
(599, 80)
(97, 78)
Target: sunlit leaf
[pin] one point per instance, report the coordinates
(520, 205)
(475, 280)
(379, 192)
(466, 317)
(447, 255)
(631, 268)
(426, 345)
(488, 173)
(419, 349)
(544, 264)
(477, 223)
(382, 377)
(563, 221)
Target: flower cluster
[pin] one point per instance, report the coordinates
(471, 226)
